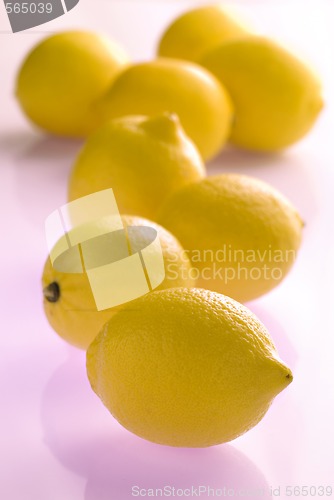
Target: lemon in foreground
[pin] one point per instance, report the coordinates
(68, 299)
(197, 31)
(62, 77)
(186, 367)
(276, 97)
(241, 234)
(142, 159)
(168, 85)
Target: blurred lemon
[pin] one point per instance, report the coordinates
(167, 85)
(197, 31)
(185, 367)
(142, 159)
(68, 299)
(276, 97)
(62, 77)
(241, 234)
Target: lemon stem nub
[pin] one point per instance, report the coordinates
(52, 292)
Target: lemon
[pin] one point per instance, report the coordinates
(197, 31)
(142, 159)
(173, 86)
(62, 77)
(186, 367)
(241, 235)
(68, 299)
(276, 97)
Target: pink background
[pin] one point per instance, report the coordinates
(57, 441)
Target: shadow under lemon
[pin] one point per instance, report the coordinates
(85, 438)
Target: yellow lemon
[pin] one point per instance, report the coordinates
(142, 159)
(186, 367)
(168, 85)
(68, 298)
(241, 235)
(62, 77)
(197, 31)
(276, 97)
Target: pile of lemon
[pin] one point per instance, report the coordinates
(185, 365)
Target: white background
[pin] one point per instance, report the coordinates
(57, 441)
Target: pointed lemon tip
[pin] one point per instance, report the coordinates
(165, 127)
(289, 376)
(281, 376)
(286, 378)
